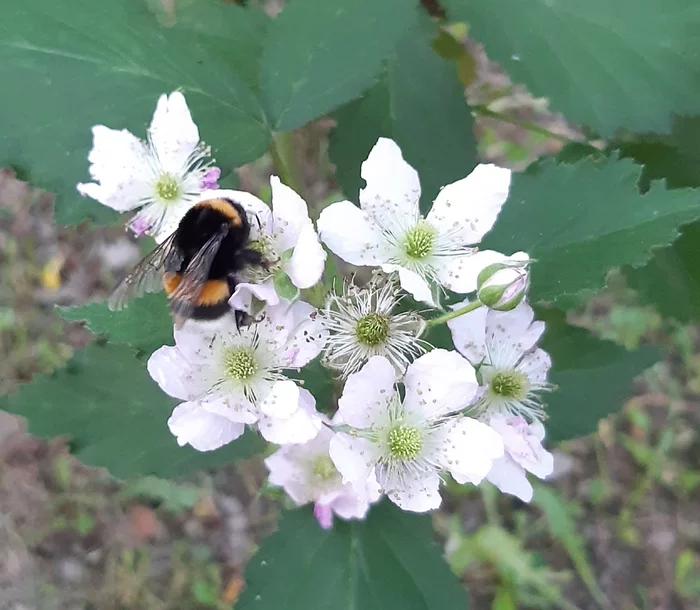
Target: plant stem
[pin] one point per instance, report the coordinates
(283, 158)
(454, 314)
(483, 110)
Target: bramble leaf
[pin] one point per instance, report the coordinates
(115, 416)
(387, 561)
(403, 105)
(319, 55)
(628, 64)
(77, 63)
(578, 221)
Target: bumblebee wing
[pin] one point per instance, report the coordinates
(184, 298)
(147, 275)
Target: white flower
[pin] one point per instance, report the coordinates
(503, 285)
(388, 230)
(524, 452)
(307, 474)
(230, 378)
(362, 323)
(407, 444)
(286, 237)
(163, 176)
(502, 344)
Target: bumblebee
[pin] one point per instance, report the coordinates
(198, 265)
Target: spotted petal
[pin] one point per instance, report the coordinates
(173, 133)
(367, 393)
(468, 208)
(193, 424)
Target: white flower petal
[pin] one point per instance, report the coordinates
(350, 505)
(438, 383)
(367, 393)
(412, 283)
(301, 427)
(308, 338)
(288, 473)
(469, 332)
(290, 215)
(191, 424)
(282, 400)
(459, 273)
(536, 365)
(418, 494)
(352, 235)
(472, 204)
(354, 459)
(392, 194)
(121, 165)
(196, 341)
(168, 367)
(470, 449)
(173, 133)
(308, 259)
(242, 297)
(523, 443)
(515, 328)
(510, 478)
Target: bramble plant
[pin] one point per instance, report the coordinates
(455, 358)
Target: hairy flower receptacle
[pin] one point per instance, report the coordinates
(419, 241)
(240, 364)
(512, 385)
(372, 329)
(168, 187)
(405, 442)
(323, 468)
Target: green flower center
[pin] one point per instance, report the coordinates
(405, 442)
(168, 187)
(240, 364)
(513, 385)
(323, 468)
(419, 241)
(372, 329)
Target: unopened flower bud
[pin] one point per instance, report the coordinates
(502, 286)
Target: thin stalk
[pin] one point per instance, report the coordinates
(483, 110)
(454, 314)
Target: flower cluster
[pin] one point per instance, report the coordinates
(410, 413)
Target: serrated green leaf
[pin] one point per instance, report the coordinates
(115, 415)
(624, 64)
(671, 280)
(387, 561)
(145, 323)
(416, 81)
(578, 221)
(319, 55)
(77, 63)
(592, 376)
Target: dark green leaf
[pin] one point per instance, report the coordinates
(115, 415)
(592, 376)
(419, 102)
(319, 55)
(76, 63)
(144, 324)
(624, 64)
(671, 280)
(387, 561)
(579, 221)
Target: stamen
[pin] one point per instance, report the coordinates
(405, 442)
(419, 241)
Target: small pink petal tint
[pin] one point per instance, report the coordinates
(210, 180)
(140, 224)
(324, 515)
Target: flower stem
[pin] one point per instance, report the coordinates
(484, 110)
(283, 158)
(455, 314)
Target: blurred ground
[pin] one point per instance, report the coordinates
(619, 527)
